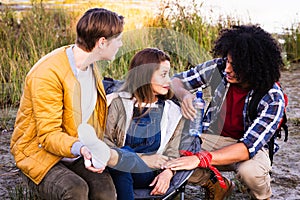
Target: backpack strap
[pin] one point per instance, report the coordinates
(283, 121)
(252, 107)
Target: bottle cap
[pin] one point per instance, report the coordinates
(199, 93)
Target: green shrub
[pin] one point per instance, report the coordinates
(291, 43)
(26, 37)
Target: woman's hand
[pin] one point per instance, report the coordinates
(161, 182)
(154, 161)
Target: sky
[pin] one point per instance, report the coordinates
(272, 15)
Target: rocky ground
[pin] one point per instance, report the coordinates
(285, 173)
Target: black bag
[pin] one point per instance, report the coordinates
(111, 85)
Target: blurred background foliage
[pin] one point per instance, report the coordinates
(28, 34)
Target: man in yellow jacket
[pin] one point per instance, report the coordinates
(63, 90)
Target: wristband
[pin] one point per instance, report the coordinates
(205, 162)
(204, 158)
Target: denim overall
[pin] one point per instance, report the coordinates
(143, 136)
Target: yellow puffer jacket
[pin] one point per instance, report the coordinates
(49, 114)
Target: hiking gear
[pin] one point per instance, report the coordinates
(205, 162)
(99, 150)
(205, 158)
(213, 191)
(273, 147)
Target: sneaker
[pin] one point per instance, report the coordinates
(99, 150)
(213, 191)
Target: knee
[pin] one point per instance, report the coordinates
(78, 190)
(104, 192)
(102, 187)
(244, 172)
(257, 179)
(252, 172)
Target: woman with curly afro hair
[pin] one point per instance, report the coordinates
(246, 107)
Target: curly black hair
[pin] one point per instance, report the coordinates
(256, 55)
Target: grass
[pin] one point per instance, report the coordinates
(26, 36)
(7, 118)
(292, 43)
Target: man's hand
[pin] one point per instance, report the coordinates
(188, 162)
(87, 156)
(186, 97)
(187, 108)
(154, 161)
(161, 182)
(182, 163)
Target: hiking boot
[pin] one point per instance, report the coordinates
(200, 176)
(213, 190)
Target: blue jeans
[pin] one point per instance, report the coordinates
(125, 182)
(143, 136)
(130, 172)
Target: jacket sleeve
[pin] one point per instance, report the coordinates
(270, 112)
(202, 75)
(114, 134)
(172, 148)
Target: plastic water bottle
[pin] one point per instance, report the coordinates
(199, 105)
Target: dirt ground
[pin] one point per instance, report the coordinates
(285, 173)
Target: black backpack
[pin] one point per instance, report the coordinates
(111, 85)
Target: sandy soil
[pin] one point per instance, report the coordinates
(285, 176)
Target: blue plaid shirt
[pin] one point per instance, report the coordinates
(269, 110)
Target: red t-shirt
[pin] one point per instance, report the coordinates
(232, 111)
